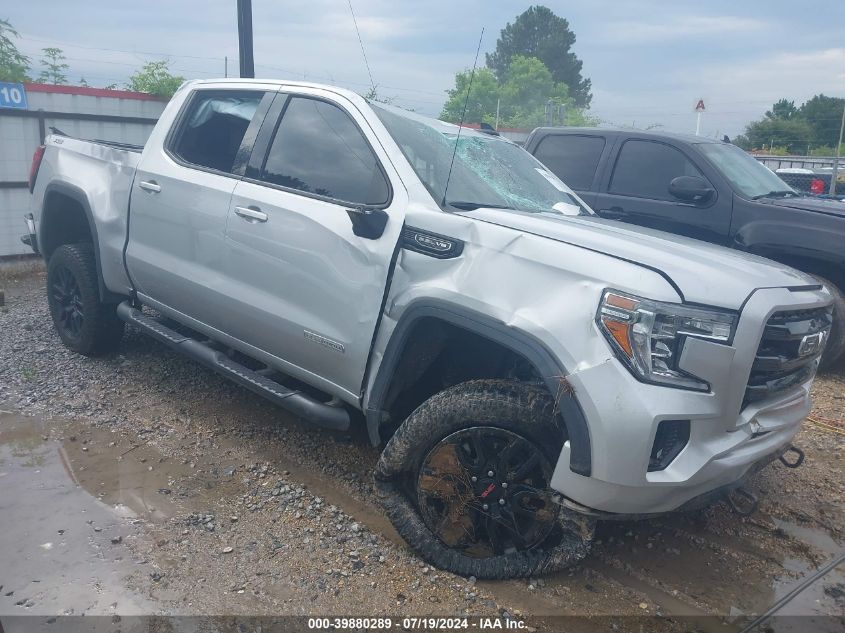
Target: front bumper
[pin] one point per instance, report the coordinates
(726, 438)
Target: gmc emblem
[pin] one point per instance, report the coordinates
(811, 344)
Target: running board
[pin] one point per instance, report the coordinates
(297, 402)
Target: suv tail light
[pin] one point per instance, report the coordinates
(817, 185)
(36, 164)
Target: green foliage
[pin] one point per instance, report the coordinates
(793, 134)
(539, 33)
(816, 123)
(824, 115)
(527, 87)
(14, 65)
(54, 71)
(827, 150)
(783, 109)
(155, 78)
(373, 95)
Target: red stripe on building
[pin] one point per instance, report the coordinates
(92, 92)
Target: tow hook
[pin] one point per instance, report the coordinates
(799, 457)
(743, 501)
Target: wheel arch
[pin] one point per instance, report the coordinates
(497, 333)
(66, 217)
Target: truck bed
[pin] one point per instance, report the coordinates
(101, 173)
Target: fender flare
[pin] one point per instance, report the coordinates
(79, 196)
(813, 243)
(516, 340)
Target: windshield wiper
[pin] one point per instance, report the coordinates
(783, 193)
(463, 205)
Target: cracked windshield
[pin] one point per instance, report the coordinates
(487, 171)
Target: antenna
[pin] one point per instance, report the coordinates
(361, 42)
(463, 114)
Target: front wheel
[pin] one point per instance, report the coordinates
(466, 482)
(84, 323)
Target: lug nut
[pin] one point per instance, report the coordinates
(489, 473)
(504, 484)
(485, 507)
(501, 502)
(474, 479)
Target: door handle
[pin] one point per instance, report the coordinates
(251, 214)
(150, 185)
(613, 213)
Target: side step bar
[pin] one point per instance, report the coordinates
(297, 402)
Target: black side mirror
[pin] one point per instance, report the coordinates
(691, 189)
(368, 222)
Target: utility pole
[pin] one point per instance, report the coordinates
(497, 115)
(226, 66)
(833, 174)
(247, 63)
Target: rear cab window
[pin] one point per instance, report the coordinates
(574, 158)
(211, 128)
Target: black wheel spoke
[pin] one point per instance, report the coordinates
(484, 489)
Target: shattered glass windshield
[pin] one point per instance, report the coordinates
(488, 171)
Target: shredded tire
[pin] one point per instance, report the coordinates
(102, 329)
(523, 408)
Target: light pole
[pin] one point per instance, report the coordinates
(245, 39)
(836, 160)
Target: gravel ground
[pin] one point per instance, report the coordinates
(238, 508)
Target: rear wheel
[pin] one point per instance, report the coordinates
(466, 482)
(84, 323)
(835, 347)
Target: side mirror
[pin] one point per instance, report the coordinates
(691, 189)
(368, 222)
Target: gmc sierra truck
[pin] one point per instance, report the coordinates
(530, 368)
(706, 189)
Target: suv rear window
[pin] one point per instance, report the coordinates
(213, 127)
(571, 157)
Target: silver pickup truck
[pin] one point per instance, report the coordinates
(529, 367)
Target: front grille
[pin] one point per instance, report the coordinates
(789, 351)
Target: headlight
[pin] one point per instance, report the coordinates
(649, 336)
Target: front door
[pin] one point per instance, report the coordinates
(305, 287)
(638, 192)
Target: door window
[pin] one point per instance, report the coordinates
(213, 127)
(644, 169)
(319, 150)
(573, 158)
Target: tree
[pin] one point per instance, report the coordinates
(539, 33)
(54, 71)
(155, 78)
(521, 98)
(792, 134)
(14, 65)
(783, 109)
(482, 100)
(824, 116)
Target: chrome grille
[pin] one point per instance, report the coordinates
(789, 351)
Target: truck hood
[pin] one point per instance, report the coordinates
(808, 203)
(702, 272)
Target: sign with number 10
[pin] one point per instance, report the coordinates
(12, 96)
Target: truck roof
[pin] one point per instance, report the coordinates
(650, 135)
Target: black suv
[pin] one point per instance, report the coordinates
(705, 189)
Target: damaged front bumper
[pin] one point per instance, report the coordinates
(728, 436)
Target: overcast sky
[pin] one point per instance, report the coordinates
(649, 61)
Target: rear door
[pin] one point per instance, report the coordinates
(305, 287)
(575, 159)
(637, 190)
(180, 201)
